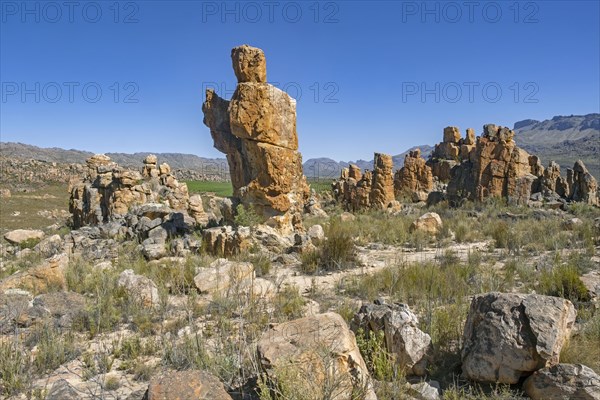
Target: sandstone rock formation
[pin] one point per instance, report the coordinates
(322, 354)
(186, 385)
(492, 165)
(508, 336)
(108, 192)
(403, 339)
(563, 381)
(414, 180)
(356, 190)
(382, 188)
(257, 132)
(583, 186)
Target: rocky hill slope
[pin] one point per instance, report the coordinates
(564, 139)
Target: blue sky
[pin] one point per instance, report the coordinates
(370, 76)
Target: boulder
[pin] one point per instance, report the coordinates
(63, 390)
(223, 275)
(451, 134)
(48, 276)
(563, 381)
(139, 288)
(249, 64)
(5, 193)
(317, 353)
(19, 236)
(403, 339)
(186, 385)
(430, 223)
(508, 336)
(50, 246)
(316, 232)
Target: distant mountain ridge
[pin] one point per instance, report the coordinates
(58, 155)
(326, 168)
(564, 139)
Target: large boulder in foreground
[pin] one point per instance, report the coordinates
(508, 336)
(186, 385)
(563, 381)
(316, 354)
(403, 339)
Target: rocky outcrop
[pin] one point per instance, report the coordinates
(403, 339)
(414, 180)
(583, 186)
(493, 167)
(107, 192)
(257, 132)
(509, 336)
(319, 353)
(382, 188)
(563, 381)
(186, 385)
(357, 190)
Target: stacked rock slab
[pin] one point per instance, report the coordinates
(108, 192)
(257, 132)
(414, 179)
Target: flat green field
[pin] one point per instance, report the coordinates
(34, 210)
(222, 189)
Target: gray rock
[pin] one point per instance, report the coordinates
(563, 381)
(508, 336)
(403, 338)
(19, 236)
(154, 251)
(140, 288)
(62, 307)
(50, 246)
(62, 390)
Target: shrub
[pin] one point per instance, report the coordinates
(246, 216)
(563, 281)
(54, 348)
(15, 368)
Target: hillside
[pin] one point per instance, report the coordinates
(58, 155)
(564, 139)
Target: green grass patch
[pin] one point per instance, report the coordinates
(223, 189)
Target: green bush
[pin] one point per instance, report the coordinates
(15, 368)
(563, 281)
(247, 216)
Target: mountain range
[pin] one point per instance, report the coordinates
(564, 139)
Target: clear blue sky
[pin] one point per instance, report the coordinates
(360, 68)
